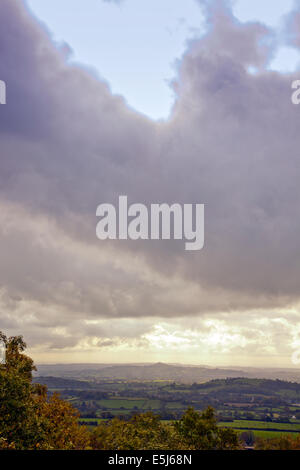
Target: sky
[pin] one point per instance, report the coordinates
(135, 44)
(186, 102)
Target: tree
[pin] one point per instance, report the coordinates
(142, 432)
(17, 406)
(59, 425)
(281, 443)
(147, 432)
(200, 431)
(28, 420)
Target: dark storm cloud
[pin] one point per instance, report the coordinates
(67, 144)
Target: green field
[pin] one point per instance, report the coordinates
(273, 434)
(128, 404)
(173, 405)
(249, 424)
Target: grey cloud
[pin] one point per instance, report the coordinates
(68, 144)
(291, 25)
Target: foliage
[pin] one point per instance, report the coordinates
(28, 420)
(281, 443)
(200, 431)
(147, 432)
(142, 432)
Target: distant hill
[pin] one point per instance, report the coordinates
(250, 387)
(162, 371)
(61, 383)
(241, 392)
(159, 371)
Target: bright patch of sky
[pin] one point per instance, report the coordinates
(134, 44)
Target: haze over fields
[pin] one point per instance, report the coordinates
(161, 371)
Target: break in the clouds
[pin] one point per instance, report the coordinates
(67, 144)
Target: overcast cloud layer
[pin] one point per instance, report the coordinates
(232, 143)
